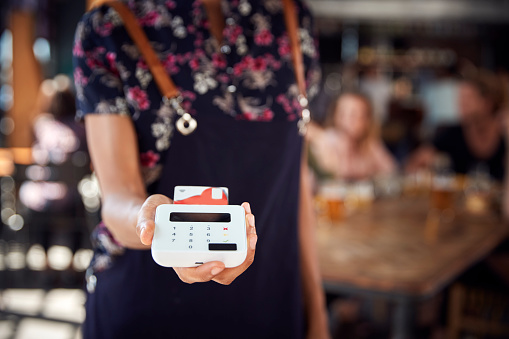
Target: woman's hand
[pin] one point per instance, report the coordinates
(213, 270)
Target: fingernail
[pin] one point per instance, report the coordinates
(251, 220)
(248, 208)
(142, 230)
(252, 242)
(216, 270)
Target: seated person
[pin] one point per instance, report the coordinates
(478, 139)
(347, 148)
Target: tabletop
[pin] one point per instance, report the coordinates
(388, 247)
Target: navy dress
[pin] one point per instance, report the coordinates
(244, 100)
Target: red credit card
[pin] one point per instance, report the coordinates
(200, 195)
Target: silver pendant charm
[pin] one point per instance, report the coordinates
(186, 124)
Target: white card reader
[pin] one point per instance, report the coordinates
(191, 235)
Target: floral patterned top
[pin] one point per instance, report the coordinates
(238, 78)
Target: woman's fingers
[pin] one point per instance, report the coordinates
(146, 216)
(214, 270)
(202, 273)
(247, 207)
(230, 274)
(252, 238)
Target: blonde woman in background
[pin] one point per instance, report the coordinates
(347, 147)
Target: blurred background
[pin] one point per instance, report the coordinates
(407, 151)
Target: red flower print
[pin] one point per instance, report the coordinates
(284, 46)
(276, 65)
(218, 61)
(105, 30)
(198, 42)
(233, 33)
(291, 117)
(223, 78)
(259, 64)
(139, 96)
(237, 70)
(188, 95)
(283, 101)
(249, 115)
(194, 64)
(149, 159)
(284, 50)
(247, 61)
(263, 38)
(93, 63)
(199, 53)
(267, 115)
(150, 19)
(171, 4)
(111, 57)
(79, 78)
(280, 98)
(170, 64)
(142, 64)
(77, 49)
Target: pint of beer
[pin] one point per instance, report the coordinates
(332, 194)
(443, 192)
(442, 198)
(443, 185)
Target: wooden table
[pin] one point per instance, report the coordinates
(388, 250)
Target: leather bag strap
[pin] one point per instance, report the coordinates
(164, 82)
(292, 28)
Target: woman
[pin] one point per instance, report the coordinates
(238, 83)
(347, 148)
(478, 139)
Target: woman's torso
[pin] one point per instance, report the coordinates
(246, 139)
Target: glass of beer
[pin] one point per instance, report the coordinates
(332, 193)
(360, 195)
(442, 197)
(443, 185)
